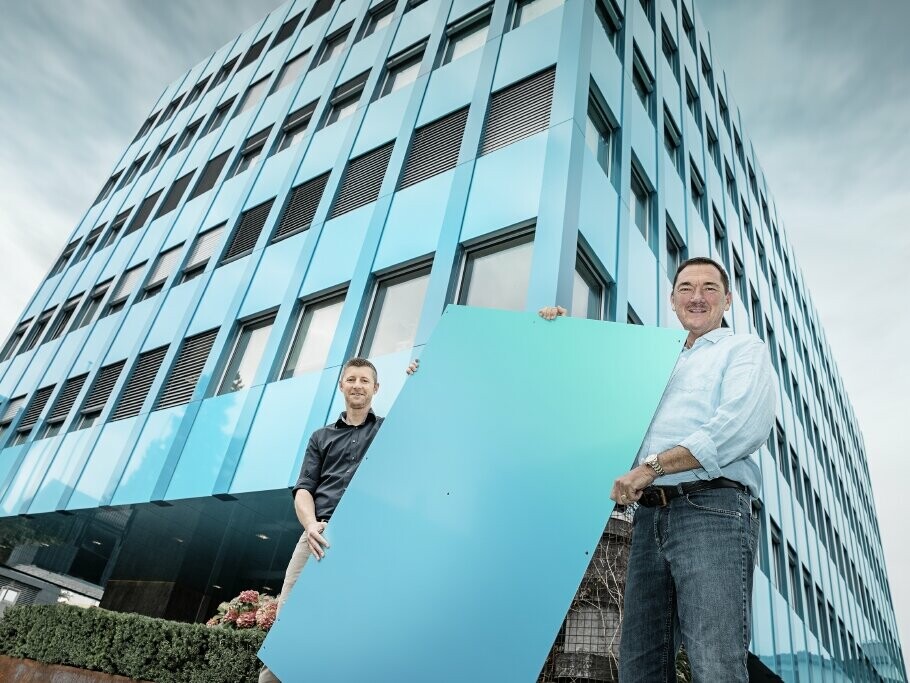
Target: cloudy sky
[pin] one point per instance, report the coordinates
(824, 87)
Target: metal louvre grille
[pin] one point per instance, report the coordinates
(301, 207)
(164, 266)
(519, 111)
(248, 229)
(175, 194)
(101, 389)
(145, 210)
(182, 381)
(39, 400)
(254, 52)
(286, 30)
(210, 174)
(139, 383)
(204, 246)
(11, 409)
(435, 148)
(66, 399)
(362, 180)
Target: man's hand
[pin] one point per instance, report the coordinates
(552, 312)
(315, 539)
(413, 366)
(627, 489)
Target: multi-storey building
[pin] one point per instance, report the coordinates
(325, 185)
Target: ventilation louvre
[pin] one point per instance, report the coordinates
(142, 215)
(362, 180)
(301, 208)
(39, 400)
(139, 383)
(435, 148)
(181, 383)
(248, 229)
(519, 111)
(66, 399)
(101, 389)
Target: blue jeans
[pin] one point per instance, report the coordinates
(689, 582)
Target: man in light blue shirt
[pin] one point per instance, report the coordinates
(697, 485)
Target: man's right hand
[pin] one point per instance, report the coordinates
(552, 312)
(316, 540)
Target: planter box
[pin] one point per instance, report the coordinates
(14, 670)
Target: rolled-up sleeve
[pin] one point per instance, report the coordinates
(311, 469)
(744, 416)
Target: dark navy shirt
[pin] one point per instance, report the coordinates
(332, 456)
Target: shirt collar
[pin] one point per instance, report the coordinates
(340, 422)
(714, 336)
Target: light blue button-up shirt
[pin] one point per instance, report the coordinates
(719, 404)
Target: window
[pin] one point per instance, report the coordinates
(320, 8)
(91, 306)
(201, 252)
(294, 127)
(291, 71)
(720, 240)
(467, 35)
(671, 52)
(139, 383)
(643, 82)
(756, 312)
(724, 111)
(62, 406)
(699, 200)
(599, 134)
(528, 10)
(224, 72)
(641, 205)
(794, 581)
(394, 313)
(402, 70)
(116, 227)
(170, 111)
(378, 18)
(218, 117)
(247, 231)
(301, 208)
(738, 145)
(496, 274)
(108, 189)
(822, 617)
(362, 180)
(60, 265)
(648, 7)
(587, 292)
(210, 174)
(63, 318)
(673, 143)
(196, 92)
(147, 126)
(676, 249)
(97, 397)
(142, 213)
(692, 101)
(186, 137)
(251, 150)
(184, 375)
(688, 27)
(10, 412)
(732, 194)
(713, 146)
(518, 111)
(32, 413)
(164, 266)
(777, 560)
(313, 337)
(795, 479)
(253, 53)
(706, 71)
(610, 19)
(632, 318)
(246, 355)
(31, 341)
(434, 148)
(747, 224)
(88, 244)
(345, 98)
(133, 171)
(252, 96)
(739, 277)
(158, 155)
(753, 184)
(333, 45)
(175, 194)
(287, 30)
(11, 345)
(124, 288)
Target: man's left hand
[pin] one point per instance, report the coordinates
(413, 366)
(627, 489)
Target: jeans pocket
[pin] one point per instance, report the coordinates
(726, 502)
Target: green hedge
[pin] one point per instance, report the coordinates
(130, 645)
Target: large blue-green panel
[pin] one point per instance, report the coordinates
(479, 503)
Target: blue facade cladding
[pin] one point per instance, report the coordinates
(630, 157)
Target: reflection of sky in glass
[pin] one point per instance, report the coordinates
(534, 9)
(581, 297)
(245, 362)
(500, 279)
(311, 345)
(400, 306)
(468, 42)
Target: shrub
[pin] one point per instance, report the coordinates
(130, 645)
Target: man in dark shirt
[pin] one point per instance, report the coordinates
(332, 456)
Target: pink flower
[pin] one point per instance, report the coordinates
(214, 621)
(246, 620)
(231, 616)
(251, 597)
(265, 615)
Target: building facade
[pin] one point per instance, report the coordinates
(325, 185)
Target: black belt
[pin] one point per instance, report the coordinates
(660, 496)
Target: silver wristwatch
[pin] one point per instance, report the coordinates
(652, 462)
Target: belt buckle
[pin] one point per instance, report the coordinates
(663, 497)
